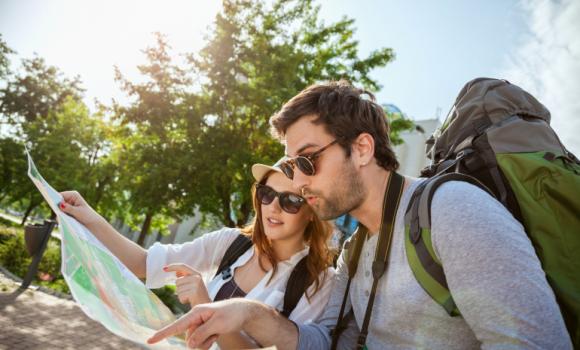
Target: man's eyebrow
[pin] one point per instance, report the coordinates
(301, 149)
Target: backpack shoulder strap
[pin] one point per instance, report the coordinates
(418, 244)
(238, 247)
(352, 249)
(296, 287)
(297, 282)
(351, 253)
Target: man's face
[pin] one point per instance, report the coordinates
(336, 188)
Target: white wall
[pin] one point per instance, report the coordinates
(411, 154)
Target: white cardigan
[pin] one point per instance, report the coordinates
(205, 253)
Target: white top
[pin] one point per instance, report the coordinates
(205, 253)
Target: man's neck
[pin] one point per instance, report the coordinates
(370, 212)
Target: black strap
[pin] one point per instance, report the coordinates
(357, 241)
(238, 247)
(390, 207)
(391, 201)
(297, 283)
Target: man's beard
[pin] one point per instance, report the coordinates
(348, 194)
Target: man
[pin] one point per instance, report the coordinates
(340, 157)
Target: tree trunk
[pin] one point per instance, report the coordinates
(228, 220)
(101, 190)
(145, 228)
(226, 214)
(245, 211)
(31, 206)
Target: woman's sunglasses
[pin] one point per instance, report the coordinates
(304, 163)
(289, 202)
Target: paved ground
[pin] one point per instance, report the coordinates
(32, 319)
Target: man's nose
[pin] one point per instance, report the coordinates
(300, 180)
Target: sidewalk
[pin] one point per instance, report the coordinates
(36, 320)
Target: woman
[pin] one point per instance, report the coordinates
(284, 230)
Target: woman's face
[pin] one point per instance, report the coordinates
(277, 223)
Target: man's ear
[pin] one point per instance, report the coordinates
(363, 149)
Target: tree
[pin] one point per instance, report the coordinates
(43, 110)
(35, 91)
(259, 55)
(12, 165)
(70, 146)
(5, 51)
(155, 142)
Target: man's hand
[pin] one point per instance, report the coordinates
(205, 322)
(189, 284)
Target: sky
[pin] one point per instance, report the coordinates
(439, 45)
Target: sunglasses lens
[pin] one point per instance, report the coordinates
(287, 170)
(305, 165)
(291, 203)
(265, 194)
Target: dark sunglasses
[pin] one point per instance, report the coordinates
(304, 163)
(289, 202)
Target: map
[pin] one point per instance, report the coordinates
(105, 289)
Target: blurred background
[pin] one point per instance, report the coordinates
(155, 110)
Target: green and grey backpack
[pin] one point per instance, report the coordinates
(498, 137)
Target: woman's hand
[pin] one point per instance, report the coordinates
(76, 206)
(190, 287)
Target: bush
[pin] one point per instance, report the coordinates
(14, 257)
(7, 223)
(169, 298)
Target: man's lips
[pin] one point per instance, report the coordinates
(311, 199)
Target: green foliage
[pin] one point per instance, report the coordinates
(189, 136)
(12, 165)
(398, 123)
(15, 258)
(6, 223)
(35, 91)
(5, 51)
(13, 254)
(51, 260)
(156, 144)
(259, 55)
(58, 285)
(169, 298)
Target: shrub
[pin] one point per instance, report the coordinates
(13, 255)
(169, 298)
(7, 223)
(15, 258)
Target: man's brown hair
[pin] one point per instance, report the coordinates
(345, 112)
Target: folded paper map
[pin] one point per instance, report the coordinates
(105, 289)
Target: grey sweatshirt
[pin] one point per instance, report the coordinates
(492, 271)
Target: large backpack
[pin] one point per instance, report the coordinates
(297, 282)
(498, 137)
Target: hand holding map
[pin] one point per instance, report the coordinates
(103, 287)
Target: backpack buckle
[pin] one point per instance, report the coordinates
(227, 273)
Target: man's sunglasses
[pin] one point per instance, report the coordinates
(289, 202)
(304, 163)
